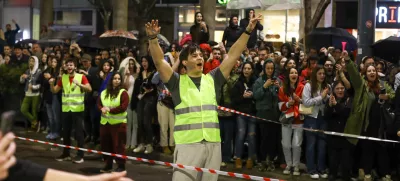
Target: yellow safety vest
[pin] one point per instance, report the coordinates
(196, 116)
(72, 97)
(112, 103)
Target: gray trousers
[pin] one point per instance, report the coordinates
(291, 144)
(131, 128)
(203, 155)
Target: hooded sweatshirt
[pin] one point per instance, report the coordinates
(33, 78)
(231, 33)
(266, 98)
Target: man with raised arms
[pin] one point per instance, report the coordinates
(195, 94)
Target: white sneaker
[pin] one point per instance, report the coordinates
(139, 149)
(296, 171)
(287, 170)
(323, 175)
(149, 149)
(314, 176)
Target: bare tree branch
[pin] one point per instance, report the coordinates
(319, 12)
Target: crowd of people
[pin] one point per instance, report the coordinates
(116, 98)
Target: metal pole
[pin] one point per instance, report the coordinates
(366, 28)
(286, 23)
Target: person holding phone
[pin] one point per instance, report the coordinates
(243, 101)
(13, 169)
(266, 96)
(199, 31)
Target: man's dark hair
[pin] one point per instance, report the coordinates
(216, 48)
(263, 49)
(191, 48)
(73, 60)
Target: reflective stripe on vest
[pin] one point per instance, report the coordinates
(195, 109)
(112, 103)
(72, 98)
(195, 126)
(196, 117)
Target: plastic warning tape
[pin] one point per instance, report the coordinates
(174, 165)
(309, 129)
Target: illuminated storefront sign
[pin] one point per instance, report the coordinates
(223, 2)
(387, 15)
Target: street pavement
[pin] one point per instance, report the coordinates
(43, 154)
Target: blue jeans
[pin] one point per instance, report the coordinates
(56, 106)
(245, 125)
(315, 141)
(227, 127)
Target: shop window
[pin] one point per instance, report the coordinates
(87, 17)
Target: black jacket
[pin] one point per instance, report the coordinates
(231, 35)
(239, 103)
(26, 170)
(198, 35)
(336, 117)
(253, 37)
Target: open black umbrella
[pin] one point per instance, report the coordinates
(63, 35)
(326, 37)
(387, 49)
(90, 42)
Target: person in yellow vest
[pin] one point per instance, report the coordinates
(74, 86)
(196, 130)
(113, 103)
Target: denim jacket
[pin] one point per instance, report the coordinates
(33, 78)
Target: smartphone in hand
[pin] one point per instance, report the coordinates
(7, 121)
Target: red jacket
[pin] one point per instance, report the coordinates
(210, 65)
(293, 110)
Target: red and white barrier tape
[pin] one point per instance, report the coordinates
(180, 166)
(310, 129)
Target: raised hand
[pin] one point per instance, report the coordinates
(253, 22)
(152, 28)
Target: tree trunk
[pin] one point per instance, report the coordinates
(208, 8)
(46, 12)
(120, 16)
(143, 47)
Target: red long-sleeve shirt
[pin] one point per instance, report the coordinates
(124, 102)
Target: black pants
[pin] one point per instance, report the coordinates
(92, 119)
(270, 140)
(340, 156)
(146, 110)
(371, 151)
(72, 119)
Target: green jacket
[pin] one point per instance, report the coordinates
(266, 100)
(359, 116)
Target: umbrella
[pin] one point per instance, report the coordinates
(117, 38)
(265, 4)
(387, 49)
(27, 41)
(325, 37)
(51, 42)
(90, 42)
(162, 40)
(62, 35)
